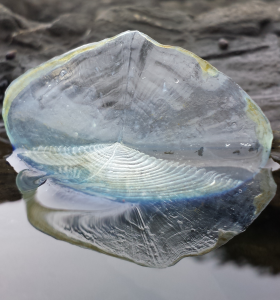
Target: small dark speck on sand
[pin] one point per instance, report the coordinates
(11, 54)
(255, 147)
(223, 44)
(169, 152)
(200, 151)
(236, 152)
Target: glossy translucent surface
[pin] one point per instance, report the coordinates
(154, 234)
(121, 173)
(167, 150)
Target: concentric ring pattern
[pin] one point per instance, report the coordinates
(127, 174)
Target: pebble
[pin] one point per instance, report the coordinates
(223, 44)
(11, 54)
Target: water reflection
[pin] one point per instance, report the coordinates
(259, 245)
(154, 234)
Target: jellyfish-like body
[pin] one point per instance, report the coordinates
(171, 148)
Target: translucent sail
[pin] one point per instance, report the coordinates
(168, 151)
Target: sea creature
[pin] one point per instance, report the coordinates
(95, 125)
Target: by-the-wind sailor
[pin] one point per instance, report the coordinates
(148, 152)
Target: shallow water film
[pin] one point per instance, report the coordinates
(146, 151)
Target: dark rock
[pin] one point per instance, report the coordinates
(43, 10)
(48, 10)
(8, 188)
(167, 27)
(200, 151)
(10, 23)
(70, 24)
(206, 47)
(28, 39)
(7, 66)
(275, 149)
(223, 44)
(276, 200)
(11, 54)
(254, 65)
(9, 70)
(198, 7)
(4, 84)
(237, 19)
(276, 28)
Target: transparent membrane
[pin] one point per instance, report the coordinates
(168, 151)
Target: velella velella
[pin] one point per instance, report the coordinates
(146, 151)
